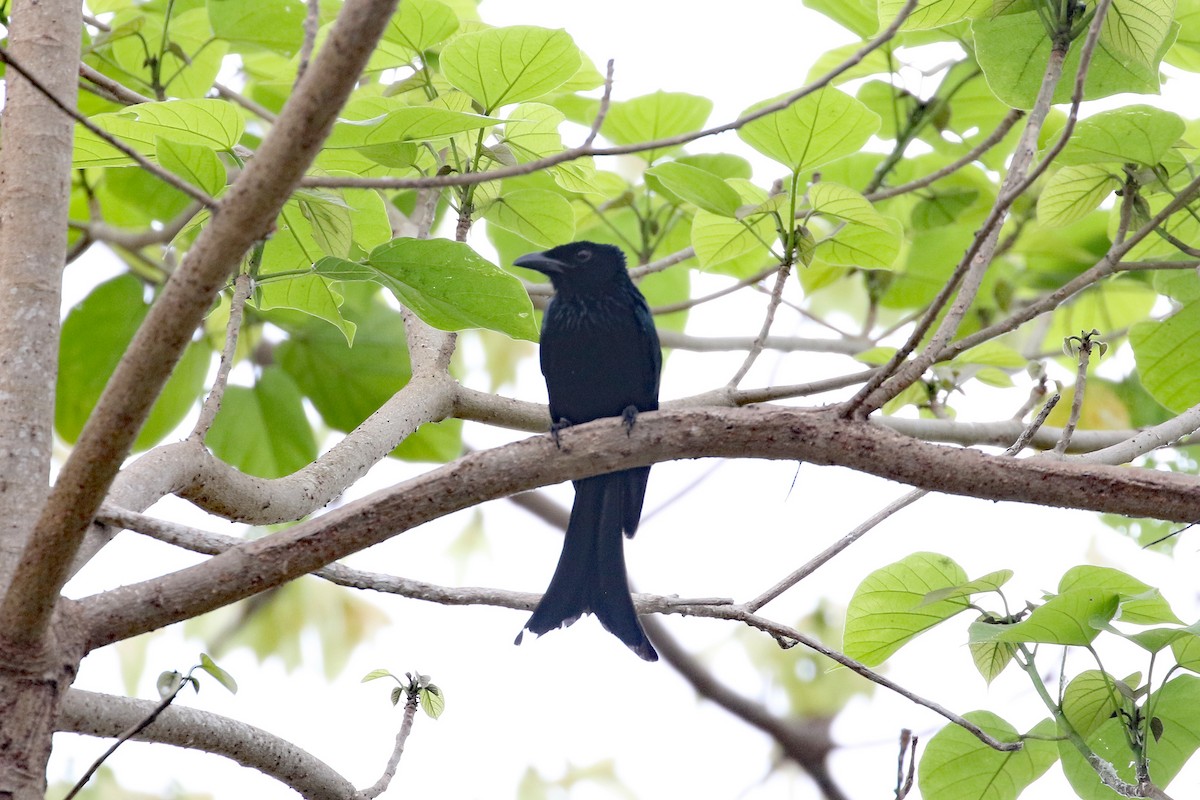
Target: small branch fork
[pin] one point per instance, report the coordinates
(586, 149)
(968, 275)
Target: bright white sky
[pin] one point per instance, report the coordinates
(578, 697)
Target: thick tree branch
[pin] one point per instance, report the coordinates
(95, 714)
(819, 437)
(244, 215)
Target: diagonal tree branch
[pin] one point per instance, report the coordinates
(244, 215)
(819, 437)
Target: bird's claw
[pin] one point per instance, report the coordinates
(628, 417)
(555, 427)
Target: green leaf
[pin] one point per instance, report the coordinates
(1013, 51)
(1138, 134)
(655, 116)
(723, 165)
(433, 702)
(531, 131)
(857, 16)
(451, 287)
(993, 354)
(542, 217)
(1177, 706)
(835, 200)
(869, 246)
(95, 335)
(933, 13)
(869, 241)
(1186, 52)
(222, 677)
(401, 124)
(991, 658)
(347, 384)
(719, 240)
(696, 186)
(193, 57)
(820, 127)
(957, 766)
(263, 430)
(310, 226)
(499, 66)
(376, 674)
(1070, 618)
(276, 26)
(415, 27)
(1136, 29)
(988, 583)
(1141, 604)
(179, 395)
(888, 608)
(1072, 193)
(1089, 700)
(196, 164)
(1186, 650)
(215, 124)
(1166, 354)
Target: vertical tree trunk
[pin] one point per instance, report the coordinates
(35, 180)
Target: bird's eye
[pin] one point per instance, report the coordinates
(583, 256)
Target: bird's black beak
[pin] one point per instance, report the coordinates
(541, 263)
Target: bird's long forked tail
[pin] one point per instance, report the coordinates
(590, 576)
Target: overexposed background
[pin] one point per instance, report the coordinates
(578, 698)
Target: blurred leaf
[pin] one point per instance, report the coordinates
(221, 676)
(263, 430)
(274, 26)
(95, 335)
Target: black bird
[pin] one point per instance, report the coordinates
(601, 358)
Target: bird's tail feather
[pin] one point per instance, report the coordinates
(590, 576)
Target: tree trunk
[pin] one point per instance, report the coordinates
(35, 184)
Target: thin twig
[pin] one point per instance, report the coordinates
(572, 154)
(684, 305)
(971, 156)
(119, 91)
(128, 734)
(602, 111)
(245, 102)
(968, 275)
(242, 286)
(714, 608)
(888, 511)
(136, 239)
(389, 772)
(312, 24)
(760, 341)
(166, 176)
(829, 552)
(1083, 345)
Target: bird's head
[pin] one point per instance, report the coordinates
(577, 264)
